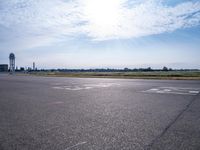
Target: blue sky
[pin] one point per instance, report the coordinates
(101, 33)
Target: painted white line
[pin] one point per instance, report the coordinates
(153, 90)
(78, 144)
(101, 85)
(181, 88)
(88, 87)
(74, 89)
(173, 90)
(56, 87)
(162, 92)
(167, 90)
(85, 86)
(178, 93)
(194, 92)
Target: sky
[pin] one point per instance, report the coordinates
(101, 33)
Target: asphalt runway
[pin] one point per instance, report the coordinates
(52, 113)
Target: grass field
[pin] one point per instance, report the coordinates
(176, 75)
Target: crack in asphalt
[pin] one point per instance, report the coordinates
(78, 144)
(148, 147)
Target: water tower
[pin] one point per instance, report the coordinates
(12, 62)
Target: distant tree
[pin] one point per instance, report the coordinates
(170, 69)
(149, 69)
(22, 69)
(165, 68)
(126, 69)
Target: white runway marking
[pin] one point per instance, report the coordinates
(56, 103)
(86, 86)
(154, 89)
(195, 92)
(174, 90)
(78, 144)
(167, 90)
(180, 88)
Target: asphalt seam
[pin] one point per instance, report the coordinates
(148, 147)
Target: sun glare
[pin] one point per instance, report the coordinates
(103, 14)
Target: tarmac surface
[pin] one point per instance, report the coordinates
(56, 113)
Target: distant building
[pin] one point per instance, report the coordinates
(3, 68)
(33, 66)
(12, 62)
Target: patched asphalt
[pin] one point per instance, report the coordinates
(57, 113)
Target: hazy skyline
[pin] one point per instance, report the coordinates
(101, 33)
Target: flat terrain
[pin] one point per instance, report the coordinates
(175, 75)
(54, 113)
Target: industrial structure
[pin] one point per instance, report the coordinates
(12, 62)
(3, 68)
(33, 66)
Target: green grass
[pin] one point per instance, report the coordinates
(195, 75)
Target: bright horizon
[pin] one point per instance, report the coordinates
(101, 33)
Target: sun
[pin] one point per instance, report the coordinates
(103, 15)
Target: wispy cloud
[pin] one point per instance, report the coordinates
(153, 18)
(40, 22)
